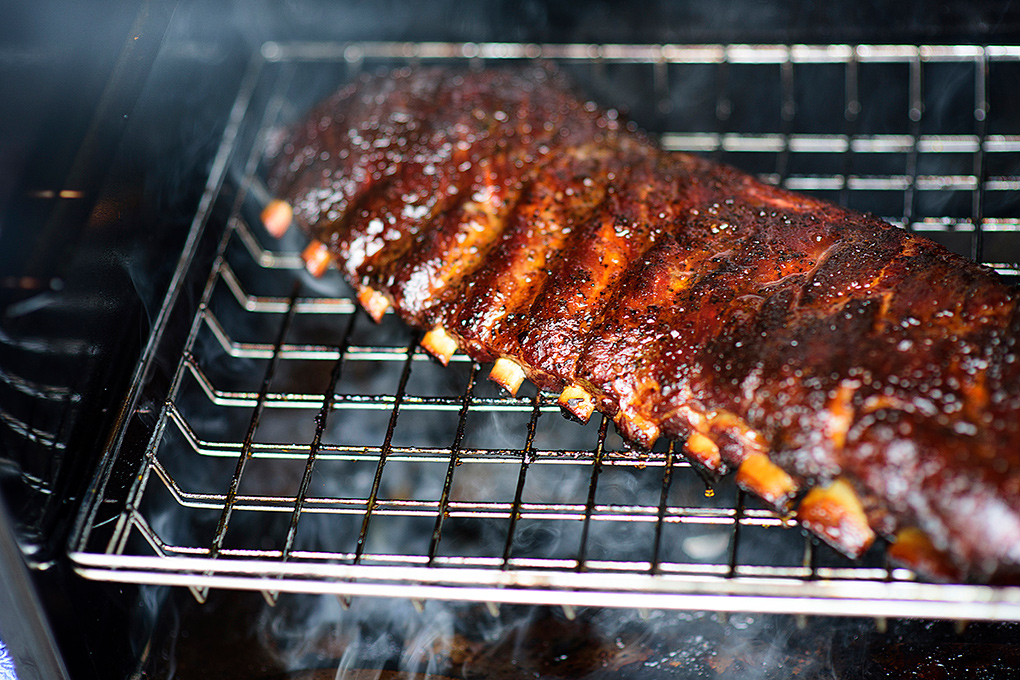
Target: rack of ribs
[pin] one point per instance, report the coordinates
(857, 375)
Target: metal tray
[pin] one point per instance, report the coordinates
(274, 439)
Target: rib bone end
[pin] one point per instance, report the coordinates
(703, 451)
(577, 402)
(373, 302)
(317, 259)
(636, 428)
(760, 476)
(507, 374)
(277, 216)
(836, 514)
(439, 344)
(914, 549)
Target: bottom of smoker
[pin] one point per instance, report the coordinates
(306, 637)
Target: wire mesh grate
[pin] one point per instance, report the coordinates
(293, 445)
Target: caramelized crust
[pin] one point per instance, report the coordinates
(639, 207)
(805, 345)
(350, 143)
(489, 308)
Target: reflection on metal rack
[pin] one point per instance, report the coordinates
(294, 446)
(37, 414)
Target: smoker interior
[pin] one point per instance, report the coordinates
(297, 447)
(272, 439)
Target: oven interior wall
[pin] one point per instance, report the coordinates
(102, 163)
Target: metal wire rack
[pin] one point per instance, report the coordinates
(275, 439)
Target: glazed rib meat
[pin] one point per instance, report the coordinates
(859, 375)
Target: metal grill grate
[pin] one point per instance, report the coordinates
(275, 439)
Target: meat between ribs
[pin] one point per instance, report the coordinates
(863, 374)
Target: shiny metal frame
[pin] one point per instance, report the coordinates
(117, 538)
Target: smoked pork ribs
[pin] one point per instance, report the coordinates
(864, 377)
